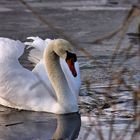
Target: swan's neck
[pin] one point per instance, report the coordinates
(63, 93)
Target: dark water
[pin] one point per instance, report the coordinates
(39, 126)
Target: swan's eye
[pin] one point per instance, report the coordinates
(74, 57)
(71, 56)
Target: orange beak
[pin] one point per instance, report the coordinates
(71, 66)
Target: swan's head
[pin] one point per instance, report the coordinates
(65, 50)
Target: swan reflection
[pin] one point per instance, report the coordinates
(39, 126)
(68, 127)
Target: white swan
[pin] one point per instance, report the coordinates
(22, 89)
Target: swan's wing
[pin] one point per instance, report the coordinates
(11, 48)
(36, 42)
(39, 45)
(35, 54)
(19, 87)
(73, 82)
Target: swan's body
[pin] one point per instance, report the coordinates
(24, 89)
